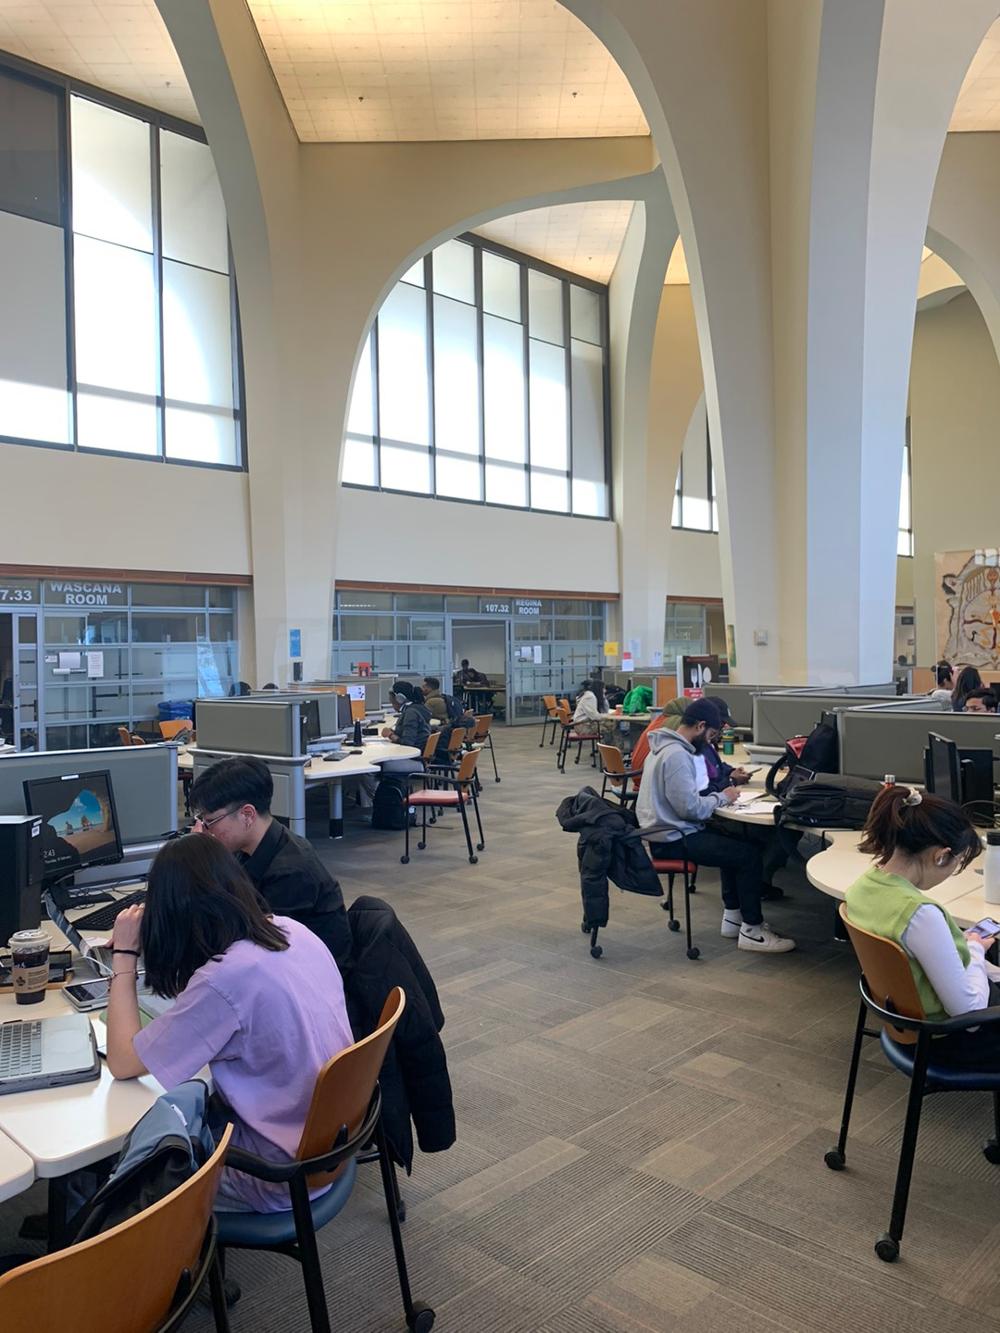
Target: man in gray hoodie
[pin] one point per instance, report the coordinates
(671, 805)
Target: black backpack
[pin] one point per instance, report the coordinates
(456, 712)
(819, 752)
(390, 804)
(827, 800)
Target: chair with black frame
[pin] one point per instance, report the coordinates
(613, 771)
(90, 1287)
(570, 737)
(483, 738)
(688, 871)
(344, 1121)
(447, 790)
(551, 718)
(889, 991)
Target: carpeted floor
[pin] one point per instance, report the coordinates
(641, 1137)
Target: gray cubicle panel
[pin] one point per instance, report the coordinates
(288, 799)
(143, 778)
(740, 699)
(249, 726)
(327, 700)
(874, 742)
(778, 717)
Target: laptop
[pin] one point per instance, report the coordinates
(47, 1053)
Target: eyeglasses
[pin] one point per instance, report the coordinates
(216, 819)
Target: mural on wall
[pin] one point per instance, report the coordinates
(967, 607)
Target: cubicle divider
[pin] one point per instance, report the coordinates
(739, 699)
(288, 800)
(779, 716)
(143, 778)
(876, 741)
(261, 726)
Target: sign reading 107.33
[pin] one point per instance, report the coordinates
(18, 594)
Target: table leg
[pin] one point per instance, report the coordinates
(58, 1204)
(336, 809)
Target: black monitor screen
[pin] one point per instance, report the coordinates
(309, 713)
(943, 776)
(344, 719)
(79, 822)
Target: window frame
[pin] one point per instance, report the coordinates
(481, 245)
(711, 494)
(908, 474)
(66, 86)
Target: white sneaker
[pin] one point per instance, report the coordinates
(730, 929)
(762, 939)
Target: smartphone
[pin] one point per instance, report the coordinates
(91, 995)
(987, 927)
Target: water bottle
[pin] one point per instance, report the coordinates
(728, 740)
(357, 731)
(991, 867)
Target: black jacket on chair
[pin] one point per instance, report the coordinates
(414, 1078)
(609, 847)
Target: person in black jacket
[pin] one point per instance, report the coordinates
(414, 1078)
(231, 801)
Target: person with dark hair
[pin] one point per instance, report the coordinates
(671, 805)
(231, 801)
(434, 699)
(944, 673)
(413, 725)
(918, 841)
(588, 714)
(980, 701)
(257, 998)
(968, 680)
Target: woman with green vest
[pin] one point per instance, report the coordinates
(918, 841)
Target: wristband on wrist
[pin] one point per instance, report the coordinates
(132, 953)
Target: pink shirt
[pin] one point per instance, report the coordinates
(265, 1023)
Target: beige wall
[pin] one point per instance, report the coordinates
(954, 410)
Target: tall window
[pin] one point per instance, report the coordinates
(904, 538)
(485, 379)
(115, 253)
(695, 505)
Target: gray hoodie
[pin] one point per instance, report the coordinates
(672, 777)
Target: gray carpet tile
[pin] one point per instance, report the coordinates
(641, 1137)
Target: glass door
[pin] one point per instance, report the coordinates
(22, 720)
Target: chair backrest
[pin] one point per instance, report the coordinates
(168, 730)
(483, 725)
(467, 767)
(888, 974)
(565, 713)
(430, 746)
(124, 1280)
(137, 740)
(549, 702)
(357, 710)
(124, 736)
(611, 759)
(344, 1088)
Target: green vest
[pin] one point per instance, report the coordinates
(883, 905)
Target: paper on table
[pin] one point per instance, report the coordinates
(754, 805)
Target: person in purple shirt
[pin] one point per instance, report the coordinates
(258, 999)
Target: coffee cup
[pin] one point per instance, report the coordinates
(29, 950)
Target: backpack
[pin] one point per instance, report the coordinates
(390, 804)
(456, 713)
(828, 800)
(819, 752)
(163, 1150)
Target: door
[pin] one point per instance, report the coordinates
(22, 721)
(482, 640)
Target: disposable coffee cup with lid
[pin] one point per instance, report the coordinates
(29, 956)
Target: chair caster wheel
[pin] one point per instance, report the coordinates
(421, 1318)
(835, 1159)
(473, 860)
(693, 888)
(991, 1151)
(584, 927)
(674, 924)
(405, 860)
(596, 951)
(480, 846)
(665, 907)
(694, 952)
(421, 846)
(887, 1249)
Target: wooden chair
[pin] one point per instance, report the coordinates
(168, 730)
(448, 791)
(124, 736)
(614, 771)
(344, 1118)
(551, 718)
(142, 1276)
(889, 991)
(357, 710)
(483, 737)
(570, 737)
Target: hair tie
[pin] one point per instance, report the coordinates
(914, 797)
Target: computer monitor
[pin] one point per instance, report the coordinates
(79, 821)
(943, 776)
(976, 768)
(309, 716)
(345, 720)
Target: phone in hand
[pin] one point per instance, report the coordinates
(988, 928)
(754, 768)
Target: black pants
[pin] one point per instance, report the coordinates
(739, 863)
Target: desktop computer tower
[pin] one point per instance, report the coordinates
(20, 874)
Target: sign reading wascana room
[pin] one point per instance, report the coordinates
(85, 594)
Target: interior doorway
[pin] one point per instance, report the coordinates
(21, 721)
(484, 644)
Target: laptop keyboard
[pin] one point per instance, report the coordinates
(20, 1048)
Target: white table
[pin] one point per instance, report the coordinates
(17, 1170)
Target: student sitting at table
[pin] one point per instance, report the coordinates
(231, 802)
(968, 679)
(588, 714)
(919, 841)
(670, 805)
(259, 1001)
(980, 701)
(413, 722)
(944, 673)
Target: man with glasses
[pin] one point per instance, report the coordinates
(232, 803)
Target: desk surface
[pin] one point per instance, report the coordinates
(17, 1170)
(376, 752)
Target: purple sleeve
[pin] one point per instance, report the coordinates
(188, 1036)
